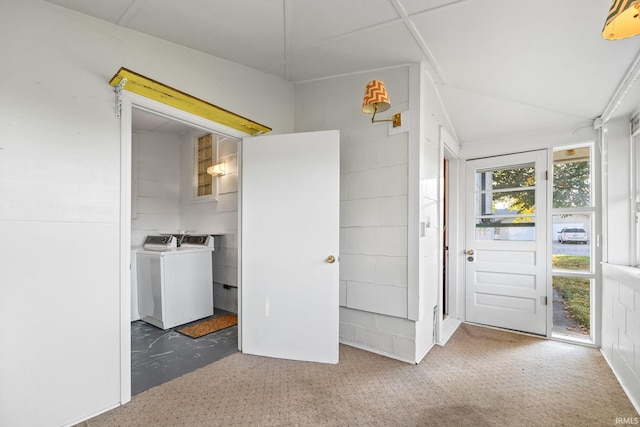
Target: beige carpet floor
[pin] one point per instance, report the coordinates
(482, 377)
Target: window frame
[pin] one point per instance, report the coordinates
(592, 211)
(213, 196)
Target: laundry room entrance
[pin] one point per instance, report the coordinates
(184, 224)
(162, 203)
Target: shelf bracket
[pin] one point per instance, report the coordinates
(118, 90)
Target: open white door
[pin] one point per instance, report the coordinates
(506, 242)
(290, 245)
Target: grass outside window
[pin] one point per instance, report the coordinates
(575, 291)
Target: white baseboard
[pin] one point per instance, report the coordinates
(381, 353)
(449, 326)
(625, 387)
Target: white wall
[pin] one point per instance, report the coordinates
(620, 282)
(155, 173)
(389, 183)
(60, 197)
(618, 226)
(433, 118)
(621, 326)
(218, 216)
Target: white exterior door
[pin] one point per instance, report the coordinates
(506, 242)
(289, 235)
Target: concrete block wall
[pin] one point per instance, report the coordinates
(373, 224)
(621, 325)
(374, 270)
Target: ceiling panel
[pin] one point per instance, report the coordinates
(413, 7)
(360, 51)
(314, 21)
(111, 10)
(527, 54)
(479, 117)
(249, 33)
(503, 66)
(146, 122)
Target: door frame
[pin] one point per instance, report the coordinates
(129, 102)
(454, 221)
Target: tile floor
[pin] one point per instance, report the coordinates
(158, 356)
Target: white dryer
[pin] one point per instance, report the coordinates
(175, 285)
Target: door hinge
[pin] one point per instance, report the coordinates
(543, 300)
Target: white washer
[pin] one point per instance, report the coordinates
(175, 286)
(135, 313)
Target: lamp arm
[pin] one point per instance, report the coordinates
(396, 118)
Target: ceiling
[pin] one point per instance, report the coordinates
(503, 68)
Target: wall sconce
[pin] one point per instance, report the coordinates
(376, 99)
(623, 20)
(216, 170)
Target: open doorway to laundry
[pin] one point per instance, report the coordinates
(169, 197)
(573, 261)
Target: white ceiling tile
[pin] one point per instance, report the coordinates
(479, 117)
(111, 10)
(416, 6)
(249, 33)
(505, 65)
(315, 21)
(527, 54)
(383, 47)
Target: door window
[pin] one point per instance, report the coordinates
(505, 203)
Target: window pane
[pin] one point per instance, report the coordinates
(572, 306)
(572, 178)
(204, 159)
(506, 228)
(572, 242)
(505, 202)
(514, 177)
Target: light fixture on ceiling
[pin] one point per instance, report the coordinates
(623, 20)
(376, 100)
(217, 170)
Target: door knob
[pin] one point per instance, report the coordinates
(331, 259)
(469, 252)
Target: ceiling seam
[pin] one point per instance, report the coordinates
(442, 6)
(287, 37)
(419, 40)
(519, 102)
(353, 73)
(128, 14)
(332, 39)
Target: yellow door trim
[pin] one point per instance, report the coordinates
(157, 91)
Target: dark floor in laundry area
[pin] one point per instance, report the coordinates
(158, 356)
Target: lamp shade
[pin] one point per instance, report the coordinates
(623, 20)
(375, 98)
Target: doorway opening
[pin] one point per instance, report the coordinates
(167, 197)
(572, 259)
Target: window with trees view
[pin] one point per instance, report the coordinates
(573, 269)
(506, 204)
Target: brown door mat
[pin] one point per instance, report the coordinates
(209, 326)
